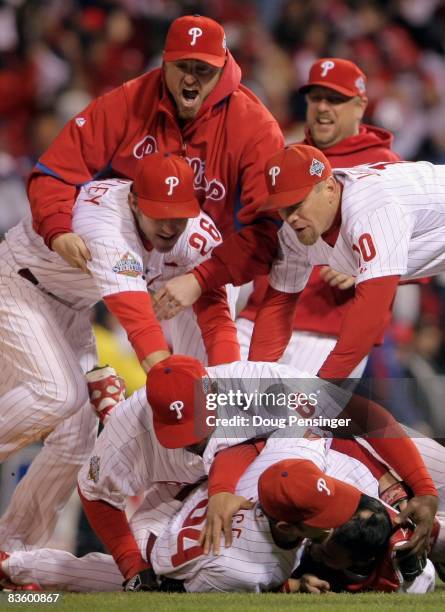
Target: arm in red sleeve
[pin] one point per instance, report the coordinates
(240, 257)
(80, 151)
(273, 325)
(217, 327)
(134, 311)
(230, 464)
(112, 528)
(362, 324)
(373, 422)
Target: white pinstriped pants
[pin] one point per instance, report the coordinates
(46, 347)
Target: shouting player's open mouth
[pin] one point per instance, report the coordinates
(189, 97)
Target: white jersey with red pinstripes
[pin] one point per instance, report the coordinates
(392, 223)
(104, 220)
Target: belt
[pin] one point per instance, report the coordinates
(28, 275)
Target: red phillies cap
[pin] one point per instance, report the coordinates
(297, 491)
(292, 173)
(338, 74)
(164, 187)
(176, 390)
(196, 37)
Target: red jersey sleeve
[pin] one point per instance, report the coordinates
(217, 327)
(83, 148)
(273, 325)
(230, 464)
(135, 313)
(112, 528)
(241, 257)
(362, 324)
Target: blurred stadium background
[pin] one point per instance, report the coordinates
(55, 56)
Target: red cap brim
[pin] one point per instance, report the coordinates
(168, 210)
(213, 60)
(286, 198)
(343, 90)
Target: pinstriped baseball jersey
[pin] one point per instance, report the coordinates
(393, 222)
(104, 220)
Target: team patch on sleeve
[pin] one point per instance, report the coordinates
(128, 265)
(93, 472)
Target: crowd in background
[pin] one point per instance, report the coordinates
(55, 56)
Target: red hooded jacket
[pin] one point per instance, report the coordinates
(320, 308)
(227, 145)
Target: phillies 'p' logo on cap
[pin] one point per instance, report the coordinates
(326, 66)
(274, 171)
(196, 38)
(178, 407)
(322, 486)
(172, 182)
(194, 33)
(156, 171)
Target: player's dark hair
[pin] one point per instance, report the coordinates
(365, 538)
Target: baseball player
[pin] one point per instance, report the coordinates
(379, 223)
(263, 554)
(135, 238)
(336, 100)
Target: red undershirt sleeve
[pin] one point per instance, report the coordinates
(374, 423)
(273, 325)
(135, 313)
(362, 324)
(112, 528)
(217, 327)
(230, 464)
(240, 257)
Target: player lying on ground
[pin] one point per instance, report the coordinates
(267, 538)
(128, 457)
(136, 233)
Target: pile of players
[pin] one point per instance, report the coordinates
(199, 180)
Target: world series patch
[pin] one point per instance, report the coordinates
(93, 472)
(128, 265)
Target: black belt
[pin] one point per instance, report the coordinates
(26, 273)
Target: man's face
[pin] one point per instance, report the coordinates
(190, 82)
(331, 554)
(314, 215)
(162, 234)
(331, 116)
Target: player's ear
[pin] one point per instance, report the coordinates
(132, 201)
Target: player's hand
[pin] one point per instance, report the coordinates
(178, 293)
(336, 279)
(145, 580)
(220, 511)
(312, 584)
(73, 250)
(421, 510)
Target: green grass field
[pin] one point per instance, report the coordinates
(162, 602)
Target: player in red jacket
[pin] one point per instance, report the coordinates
(193, 106)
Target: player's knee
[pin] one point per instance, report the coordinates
(63, 395)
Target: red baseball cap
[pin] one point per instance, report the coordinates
(338, 74)
(176, 390)
(196, 37)
(297, 491)
(292, 173)
(164, 187)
